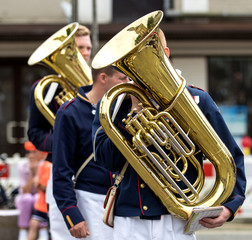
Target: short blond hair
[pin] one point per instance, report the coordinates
(82, 31)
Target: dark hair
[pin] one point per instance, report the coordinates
(110, 70)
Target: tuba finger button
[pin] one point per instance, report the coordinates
(142, 185)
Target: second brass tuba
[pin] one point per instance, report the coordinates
(60, 53)
(164, 142)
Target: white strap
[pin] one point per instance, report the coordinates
(84, 164)
(120, 176)
(52, 89)
(98, 130)
(117, 107)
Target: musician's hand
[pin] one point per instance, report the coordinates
(80, 230)
(218, 221)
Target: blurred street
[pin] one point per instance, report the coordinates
(8, 224)
(237, 230)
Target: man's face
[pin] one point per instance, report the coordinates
(115, 79)
(85, 46)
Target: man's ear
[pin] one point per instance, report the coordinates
(102, 78)
(167, 51)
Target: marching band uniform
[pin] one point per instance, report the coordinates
(40, 130)
(40, 133)
(72, 145)
(137, 201)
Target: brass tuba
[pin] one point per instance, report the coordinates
(164, 142)
(60, 53)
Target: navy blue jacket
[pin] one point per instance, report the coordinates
(72, 145)
(40, 131)
(137, 199)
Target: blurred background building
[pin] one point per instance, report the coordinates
(209, 40)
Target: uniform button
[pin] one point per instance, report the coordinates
(142, 185)
(113, 175)
(145, 208)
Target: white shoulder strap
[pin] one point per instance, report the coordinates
(52, 89)
(84, 164)
(120, 176)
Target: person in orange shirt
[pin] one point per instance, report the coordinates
(39, 220)
(27, 195)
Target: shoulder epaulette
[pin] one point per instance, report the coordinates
(69, 103)
(192, 86)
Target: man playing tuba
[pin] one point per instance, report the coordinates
(139, 213)
(40, 133)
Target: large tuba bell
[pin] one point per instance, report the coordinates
(164, 143)
(60, 53)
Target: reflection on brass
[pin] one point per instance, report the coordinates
(143, 31)
(68, 30)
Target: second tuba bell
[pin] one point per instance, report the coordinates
(61, 54)
(165, 139)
